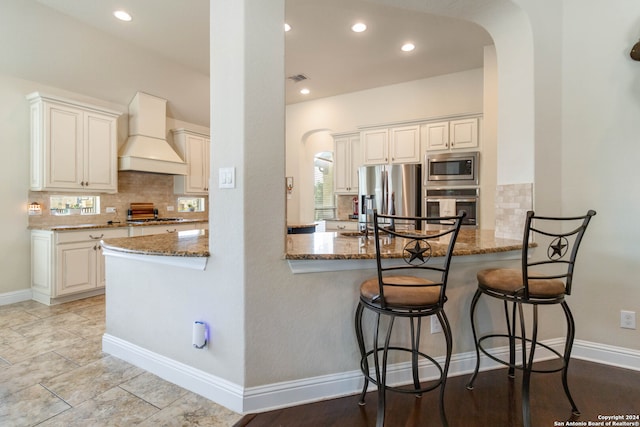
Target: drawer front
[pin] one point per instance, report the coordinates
(341, 226)
(96, 234)
(148, 230)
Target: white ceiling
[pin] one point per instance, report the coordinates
(77, 45)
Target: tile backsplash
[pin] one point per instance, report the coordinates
(132, 187)
(512, 203)
(345, 206)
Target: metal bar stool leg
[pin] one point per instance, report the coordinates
(571, 329)
(511, 329)
(364, 363)
(527, 364)
(446, 328)
(415, 346)
(381, 372)
(474, 303)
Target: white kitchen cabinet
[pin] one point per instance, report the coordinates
(375, 146)
(67, 265)
(193, 147)
(393, 145)
(405, 144)
(450, 135)
(73, 146)
(346, 162)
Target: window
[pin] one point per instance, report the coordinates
(74, 205)
(191, 204)
(323, 186)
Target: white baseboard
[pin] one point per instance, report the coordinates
(16, 296)
(606, 354)
(291, 393)
(210, 386)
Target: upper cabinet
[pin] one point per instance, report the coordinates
(400, 144)
(346, 160)
(73, 146)
(450, 135)
(193, 147)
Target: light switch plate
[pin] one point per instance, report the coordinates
(227, 178)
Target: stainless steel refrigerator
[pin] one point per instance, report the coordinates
(392, 190)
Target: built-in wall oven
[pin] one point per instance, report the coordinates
(450, 201)
(451, 169)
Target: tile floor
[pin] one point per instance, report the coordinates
(53, 373)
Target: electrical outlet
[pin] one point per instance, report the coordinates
(110, 210)
(170, 208)
(436, 327)
(627, 319)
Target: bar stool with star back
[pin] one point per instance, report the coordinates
(417, 289)
(542, 280)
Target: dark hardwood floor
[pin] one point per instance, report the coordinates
(494, 402)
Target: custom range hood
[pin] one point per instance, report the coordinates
(146, 149)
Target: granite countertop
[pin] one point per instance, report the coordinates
(314, 246)
(113, 225)
(350, 245)
(190, 243)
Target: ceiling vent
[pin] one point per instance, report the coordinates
(297, 78)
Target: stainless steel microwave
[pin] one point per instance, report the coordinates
(447, 169)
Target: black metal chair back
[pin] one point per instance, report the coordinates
(420, 245)
(561, 236)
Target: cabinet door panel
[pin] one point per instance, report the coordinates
(76, 267)
(65, 149)
(356, 162)
(341, 172)
(464, 133)
(197, 162)
(375, 146)
(405, 143)
(100, 154)
(437, 135)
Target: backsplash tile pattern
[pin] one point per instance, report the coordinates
(512, 203)
(132, 187)
(345, 206)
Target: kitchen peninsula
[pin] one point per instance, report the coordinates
(314, 252)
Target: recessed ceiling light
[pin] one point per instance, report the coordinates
(122, 15)
(408, 47)
(358, 27)
(287, 27)
(305, 91)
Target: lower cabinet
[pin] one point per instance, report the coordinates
(66, 265)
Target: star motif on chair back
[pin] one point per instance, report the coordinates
(417, 252)
(558, 248)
